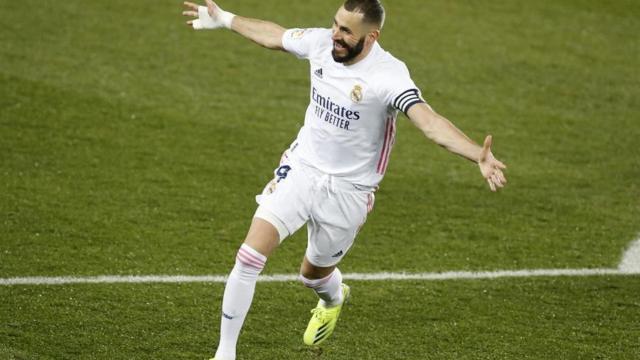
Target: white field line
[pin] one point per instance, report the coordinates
(630, 265)
(451, 275)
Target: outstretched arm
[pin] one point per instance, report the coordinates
(262, 32)
(447, 135)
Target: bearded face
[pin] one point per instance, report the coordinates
(343, 52)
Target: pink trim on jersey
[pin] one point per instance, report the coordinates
(391, 143)
(389, 139)
(384, 146)
(249, 259)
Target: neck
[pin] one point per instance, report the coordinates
(361, 56)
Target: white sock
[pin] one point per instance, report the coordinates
(238, 294)
(329, 288)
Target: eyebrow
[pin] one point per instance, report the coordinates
(342, 28)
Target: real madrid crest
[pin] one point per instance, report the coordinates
(356, 94)
(297, 34)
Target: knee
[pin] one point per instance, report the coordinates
(308, 272)
(314, 272)
(305, 274)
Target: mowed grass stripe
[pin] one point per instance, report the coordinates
(524, 318)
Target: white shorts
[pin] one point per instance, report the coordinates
(333, 209)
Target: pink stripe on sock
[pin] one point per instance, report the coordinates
(316, 282)
(247, 262)
(248, 259)
(252, 255)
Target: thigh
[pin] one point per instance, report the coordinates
(263, 237)
(287, 196)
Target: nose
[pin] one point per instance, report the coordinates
(334, 34)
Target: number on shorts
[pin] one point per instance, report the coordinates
(282, 172)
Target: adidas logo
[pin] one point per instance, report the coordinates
(227, 316)
(339, 253)
(318, 73)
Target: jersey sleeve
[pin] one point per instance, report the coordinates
(399, 91)
(301, 42)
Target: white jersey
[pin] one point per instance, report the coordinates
(349, 126)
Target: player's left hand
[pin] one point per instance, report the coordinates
(490, 167)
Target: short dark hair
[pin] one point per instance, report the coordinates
(371, 9)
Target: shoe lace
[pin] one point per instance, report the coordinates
(319, 313)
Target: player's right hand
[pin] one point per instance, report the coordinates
(207, 17)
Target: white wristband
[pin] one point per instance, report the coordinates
(205, 21)
(226, 18)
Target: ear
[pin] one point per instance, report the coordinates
(373, 35)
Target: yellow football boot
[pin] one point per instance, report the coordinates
(324, 320)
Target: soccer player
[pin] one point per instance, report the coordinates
(328, 176)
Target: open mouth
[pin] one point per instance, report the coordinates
(338, 46)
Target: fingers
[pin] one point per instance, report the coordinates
(492, 167)
(492, 186)
(496, 180)
(191, 5)
(501, 177)
(494, 183)
(193, 12)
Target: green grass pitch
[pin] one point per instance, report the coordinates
(132, 145)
